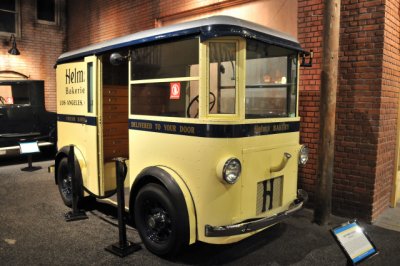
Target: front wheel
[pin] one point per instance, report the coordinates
(158, 221)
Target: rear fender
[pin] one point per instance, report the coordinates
(63, 152)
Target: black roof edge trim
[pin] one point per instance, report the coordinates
(205, 33)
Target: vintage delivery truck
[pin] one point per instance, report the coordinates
(206, 113)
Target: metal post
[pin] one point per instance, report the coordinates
(30, 167)
(29, 161)
(329, 79)
(75, 214)
(123, 247)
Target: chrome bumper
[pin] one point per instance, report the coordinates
(254, 225)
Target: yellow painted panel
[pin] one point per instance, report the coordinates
(195, 159)
(72, 103)
(74, 133)
(72, 88)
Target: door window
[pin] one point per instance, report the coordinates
(222, 77)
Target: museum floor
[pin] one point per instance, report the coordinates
(33, 231)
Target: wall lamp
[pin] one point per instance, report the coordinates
(13, 50)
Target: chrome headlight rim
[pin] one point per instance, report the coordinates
(303, 155)
(228, 164)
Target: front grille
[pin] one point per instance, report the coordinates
(269, 194)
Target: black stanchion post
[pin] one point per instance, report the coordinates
(75, 214)
(123, 247)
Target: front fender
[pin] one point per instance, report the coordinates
(175, 185)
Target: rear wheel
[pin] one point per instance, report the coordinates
(64, 181)
(158, 221)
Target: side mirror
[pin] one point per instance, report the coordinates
(117, 59)
(310, 58)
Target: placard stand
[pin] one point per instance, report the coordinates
(29, 148)
(354, 242)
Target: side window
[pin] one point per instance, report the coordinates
(222, 77)
(165, 79)
(271, 81)
(90, 87)
(14, 94)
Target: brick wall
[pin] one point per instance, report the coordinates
(310, 23)
(309, 102)
(40, 45)
(358, 107)
(367, 103)
(367, 107)
(98, 20)
(389, 107)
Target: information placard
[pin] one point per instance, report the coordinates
(354, 242)
(29, 147)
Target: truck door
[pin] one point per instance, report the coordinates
(78, 116)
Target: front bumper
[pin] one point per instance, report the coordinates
(257, 224)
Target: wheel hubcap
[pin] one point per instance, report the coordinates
(66, 185)
(157, 222)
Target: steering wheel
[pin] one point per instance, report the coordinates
(196, 99)
(2, 100)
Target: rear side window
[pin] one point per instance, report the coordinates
(166, 60)
(165, 79)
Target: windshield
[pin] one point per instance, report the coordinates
(271, 81)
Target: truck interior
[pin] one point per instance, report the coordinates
(114, 117)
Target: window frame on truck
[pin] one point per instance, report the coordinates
(237, 64)
(168, 79)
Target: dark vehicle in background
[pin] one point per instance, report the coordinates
(23, 116)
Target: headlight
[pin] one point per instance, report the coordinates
(303, 155)
(231, 170)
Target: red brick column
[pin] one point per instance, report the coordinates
(367, 103)
(367, 109)
(389, 106)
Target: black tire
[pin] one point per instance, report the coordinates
(64, 182)
(158, 221)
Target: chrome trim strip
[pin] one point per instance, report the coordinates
(40, 144)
